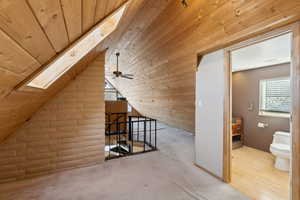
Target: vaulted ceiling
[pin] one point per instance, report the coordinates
(32, 32)
(35, 32)
(158, 39)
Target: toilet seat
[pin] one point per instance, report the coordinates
(281, 147)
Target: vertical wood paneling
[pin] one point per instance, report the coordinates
(8, 80)
(119, 3)
(129, 17)
(17, 20)
(295, 181)
(100, 9)
(72, 11)
(49, 13)
(110, 6)
(88, 14)
(227, 117)
(14, 59)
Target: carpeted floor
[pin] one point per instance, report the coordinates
(162, 175)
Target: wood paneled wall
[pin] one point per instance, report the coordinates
(160, 48)
(66, 132)
(159, 44)
(32, 32)
(19, 106)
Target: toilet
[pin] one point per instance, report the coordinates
(281, 149)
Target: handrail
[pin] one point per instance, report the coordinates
(140, 133)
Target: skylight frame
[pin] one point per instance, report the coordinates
(58, 67)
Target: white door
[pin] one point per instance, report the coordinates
(209, 113)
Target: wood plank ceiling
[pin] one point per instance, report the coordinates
(158, 41)
(162, 51)
(32, 33)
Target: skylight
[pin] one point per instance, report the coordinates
(72, 55)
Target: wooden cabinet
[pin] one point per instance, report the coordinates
(237, 126)
(116, 121)
(237, 132)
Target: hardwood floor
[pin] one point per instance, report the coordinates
(253, 174)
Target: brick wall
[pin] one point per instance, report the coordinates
(67, 132)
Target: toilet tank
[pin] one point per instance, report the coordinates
(281, 137)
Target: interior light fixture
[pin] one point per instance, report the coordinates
(78, 50)
(184, 3)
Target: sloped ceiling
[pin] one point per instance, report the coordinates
(160, 48)
(34, 32)
(158, 40)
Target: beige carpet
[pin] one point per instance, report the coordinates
(161, 175)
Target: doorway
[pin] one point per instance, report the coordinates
(231, 124)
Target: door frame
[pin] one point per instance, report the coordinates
(293, 28)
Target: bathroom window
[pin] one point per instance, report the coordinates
(275, 97)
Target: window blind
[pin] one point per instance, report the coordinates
(275, 95)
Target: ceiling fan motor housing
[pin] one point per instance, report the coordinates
(117, 73)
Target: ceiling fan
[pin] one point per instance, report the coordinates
(120, 74)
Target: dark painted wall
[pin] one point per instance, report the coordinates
(245, 90)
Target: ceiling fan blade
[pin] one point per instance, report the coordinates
(123, 76)
(128, 74)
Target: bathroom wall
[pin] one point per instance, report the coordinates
(245, 90)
